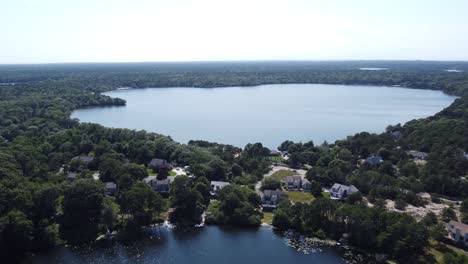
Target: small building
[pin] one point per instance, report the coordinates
(293, 182)
(159, 164)
(417, 155)
(297, 183)
(396, 134)
(275, 153)
(306, 185)
(83, 159)
(458, 232)
(374, 160)
(72, 176)
(216, 186)
(340, 191)
(111, 188)
(160, 186)
(271, 198)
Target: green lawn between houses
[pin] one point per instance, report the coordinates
(282, 174)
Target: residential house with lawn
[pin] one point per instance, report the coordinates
(458, 232)
(271, 198)
(297, 183)
(340, 191)
(216, 186)
(160, 186)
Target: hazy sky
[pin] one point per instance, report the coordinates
(37, 31)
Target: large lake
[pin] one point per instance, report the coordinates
(268, 113)
(208, 245)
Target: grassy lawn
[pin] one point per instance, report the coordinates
(326, 195)
(267, 218)
(300, 197)
(281, 174)
(277, 158)
(150, 172)
(437, 251)
(172, 173)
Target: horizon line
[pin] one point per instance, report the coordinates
(233, 61)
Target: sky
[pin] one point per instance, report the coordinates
(50, 31)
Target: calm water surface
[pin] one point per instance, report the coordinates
(269, 113)
(208, 245)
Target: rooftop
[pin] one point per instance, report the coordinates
(458, 225)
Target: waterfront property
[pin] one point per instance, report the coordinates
(271, 198)
(458, 232)
(340, 191)
(216, 186)
(160, 186)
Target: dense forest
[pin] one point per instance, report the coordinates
(41, 208)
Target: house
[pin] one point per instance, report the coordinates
(418, 155)
(396, 134)
(297, 183)
(293, 183)
(275, 153)
(306, 185)
(271, 198)
(374, 160)
(458, 232)
(111, 188)
(340, 191)
(159, 164)
(160, 186)
(71, 176)
(83, 159)
(216, 186)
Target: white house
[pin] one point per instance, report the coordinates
(216, 186)
(340, 191)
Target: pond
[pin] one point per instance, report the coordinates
(268, 114)
(207, 245)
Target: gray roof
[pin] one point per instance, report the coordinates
(84, 159)
(149, 179)
(163, 182)
(72, 175)
(158, 162)
(341, 187)
(269, 193)
(417, 154)
(111, 185)
(293, 178)
(219, 184)
(458, 225)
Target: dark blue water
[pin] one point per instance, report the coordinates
(208, 245)
(269, 113)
